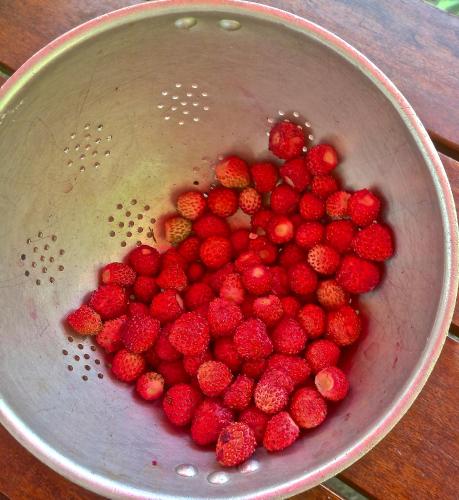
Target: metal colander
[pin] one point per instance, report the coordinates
(99, 131)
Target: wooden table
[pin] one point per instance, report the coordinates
(417, 46)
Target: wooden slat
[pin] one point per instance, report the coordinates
(319, 493)
(418, 459)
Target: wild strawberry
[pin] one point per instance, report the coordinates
(189, 249)
(173, 372)
(281, 432)
(85, 321)
(145, 260)
(232, 172)
(164, 349)
(177, 229)
(191, 364)
(270, 397)
(110, 336)
(312, 318)
(139, 333)
(196, 295)
(253, 368)
(240, 240)
(323, 259)
(321, 159)
(332, 383)
(215, 252)
(295, 174)
(208, 421)
(284, 199)
(110, 301)
(339, 235)
(179, 404)
(251, 339)
(225, 351)
(357, 275)
(311, 207)
(321, 354)
(364, 207)
(279, 281)
(232, 288)
(249, 200)
(264, 176)
(266, 250)
(257, 280)
(343, 326)
(128, 366)
(118, 273)
(138, 309)
(247, 307)
(296, 368)
(324, 185)
(302, 279)
(191, 204)
(223, 317)
(166, 306)
(260, 220)
(336, 205)
(308, 408)
(374, 242)
(195, 272)
(222, 201)
(210, 225)
(280, 229)
(239, 394)
(288, 337)
(268, 309)
(278, 377)
(309, 234)
(286, 140)
(190, 334)
(171, 257)
(214, 377)
(256, 420)
(291, 306)
(145, 288)
(173, 277)
(330, 295)
(235, 444)
(291, 254)
(217, 278)
(152, 358)
(150, 386)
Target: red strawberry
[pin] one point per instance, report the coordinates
(215, 252)
(150, 386)
(296, 368)
(288, 337)
(139, 333)
(110, 336)
(321, 159)
(268, 309)
(332, 383)
(343, 326)
(291, 306)
(217, 278)
(270, 397)
(191, 204)
(137, 309)
(239, 394)
(232, 172)
(195, 272)
(312, 319)
(171, 257)
(110, 301)
(291, 254)
(309, 234)
(222, 201)
(260, 220)
(308, 408)
(336, 205)
(257, 280)
(266, 250)
(278, 377)
(177, 229)
(256, 420)
(324, 185)
(214, 377)
(279, 281)
(339, 235)
(166, 306)
(179, 404)
(145, 260)
(118, 273)
(198, 294)
(364, 207)
(302, 279)
(190, 334)
(232, 288)
(235, 444)
(152, 358)
(225, 351)
(191, 364)
(374, 242)
(173, 277)
(280, 229)
(210, 225)
(223, 317)
(85, 321)
(189, 249)
(163, 348)
(145, 288)
(209, 419)
(286, 140)
(252, 341)
(295, 174)
(240, 240)
(249, 200)
(330, 295)
(254, 368)
(357, 275)
(127, 366)
(173, 372)
(321, 354)
(323, 259)
(281, 432)
(284, 199)
(246, 260)
(264, 176)
(311, 207)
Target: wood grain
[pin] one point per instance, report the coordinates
(416, 45)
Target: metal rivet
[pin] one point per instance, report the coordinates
(249, 466)
(185, 22)
(218, 477)
(186, 470)
(229, 24)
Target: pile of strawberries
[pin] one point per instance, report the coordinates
(242, 329)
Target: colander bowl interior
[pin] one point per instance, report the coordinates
(99, 131)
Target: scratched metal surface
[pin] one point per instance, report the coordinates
(91, 143)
